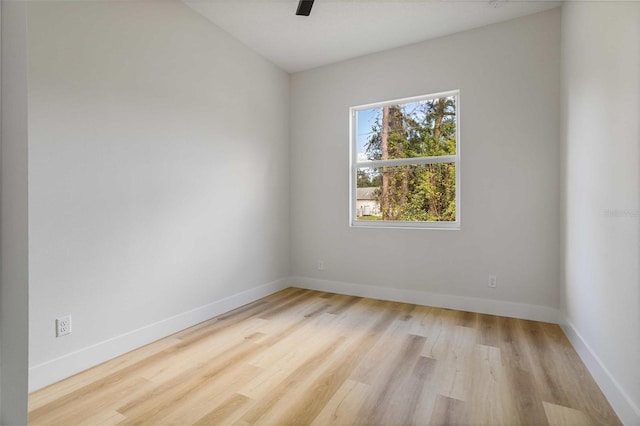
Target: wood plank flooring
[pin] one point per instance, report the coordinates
(302, 357)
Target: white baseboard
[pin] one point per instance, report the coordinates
(471, 304)
(622, 404)
(52, 371)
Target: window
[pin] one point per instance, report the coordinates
(405, 163)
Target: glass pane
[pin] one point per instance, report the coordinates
(417, 129)
(416, 193)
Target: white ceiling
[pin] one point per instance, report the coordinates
(343, 29)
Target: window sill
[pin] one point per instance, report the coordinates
(440, 226)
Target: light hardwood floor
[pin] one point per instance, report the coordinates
(305, 357)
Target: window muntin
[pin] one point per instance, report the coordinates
(405, 163)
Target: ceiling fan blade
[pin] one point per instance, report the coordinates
(304, 7)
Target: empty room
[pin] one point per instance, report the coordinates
(284, 212)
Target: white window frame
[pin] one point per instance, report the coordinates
(355, 165)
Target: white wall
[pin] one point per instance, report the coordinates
(509, 78)
(13, 217)
(158, 173)
(601, 72)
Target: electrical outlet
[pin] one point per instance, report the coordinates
(320, 265)
(493, 281)
(63, 326)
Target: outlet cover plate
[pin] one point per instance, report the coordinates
(63, 326)
(493, 281)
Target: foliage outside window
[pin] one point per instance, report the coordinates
(405, 163)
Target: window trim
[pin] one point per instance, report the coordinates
(354, 165)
